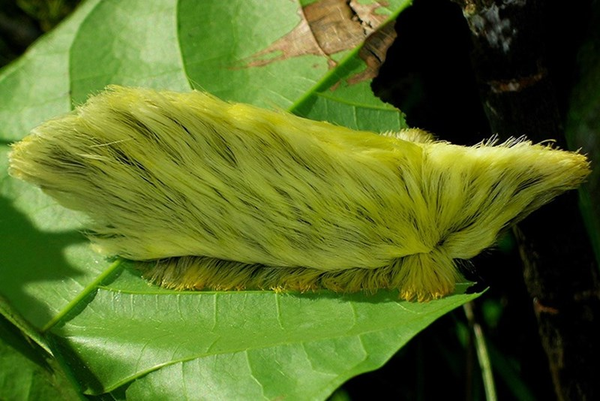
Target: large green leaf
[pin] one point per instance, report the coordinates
(270, 345)
(110, 328)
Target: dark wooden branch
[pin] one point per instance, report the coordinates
(560, 270)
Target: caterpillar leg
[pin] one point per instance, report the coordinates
(197, 273)
(420, 277)
(425, 276)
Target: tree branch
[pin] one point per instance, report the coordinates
(560, 270)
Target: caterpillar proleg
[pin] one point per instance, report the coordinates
(210, 194)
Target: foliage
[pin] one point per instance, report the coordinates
(103, 328)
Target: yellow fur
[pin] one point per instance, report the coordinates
(230, 196)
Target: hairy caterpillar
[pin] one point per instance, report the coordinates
(231, 196)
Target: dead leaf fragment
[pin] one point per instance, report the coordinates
(328, 27)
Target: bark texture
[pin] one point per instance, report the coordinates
(560, 269)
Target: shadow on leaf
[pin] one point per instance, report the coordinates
(28, 255)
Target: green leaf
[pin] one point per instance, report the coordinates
(36, 87)
(263, 344)
(15, 319)
(28, 371)
(108, 326)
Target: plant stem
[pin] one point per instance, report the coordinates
(482, 354)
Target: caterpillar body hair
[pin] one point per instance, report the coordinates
(210, 194)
